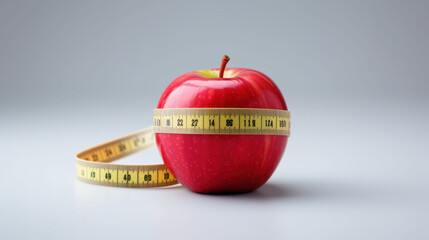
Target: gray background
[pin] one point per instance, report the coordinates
(354, 75)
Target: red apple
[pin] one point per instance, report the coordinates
(222, 163)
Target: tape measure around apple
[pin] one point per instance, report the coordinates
(215, 134)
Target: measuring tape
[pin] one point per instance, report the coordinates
(93, 165)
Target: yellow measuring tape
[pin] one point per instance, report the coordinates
(93, 165)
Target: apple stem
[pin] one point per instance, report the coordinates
(225, 60)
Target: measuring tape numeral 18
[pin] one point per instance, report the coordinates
(93, 165)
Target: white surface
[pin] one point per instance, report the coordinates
(342, 177)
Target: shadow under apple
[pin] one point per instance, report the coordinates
(303, 191)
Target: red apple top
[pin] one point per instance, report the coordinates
(223, 88)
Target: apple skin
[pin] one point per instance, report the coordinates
(222, 163)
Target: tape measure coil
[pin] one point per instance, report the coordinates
(93, 165)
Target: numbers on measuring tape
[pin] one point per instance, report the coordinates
(229, 122)
(127, 177)
(108, 176)
(268, 123)
(122, 147)
(95, 157)
(180, 122)
(156, 176)
(248, 123)
(108, 152)
(222, 121)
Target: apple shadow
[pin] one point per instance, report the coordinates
(306, 191)
(269, 191)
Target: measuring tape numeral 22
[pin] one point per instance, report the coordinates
(93, 165)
